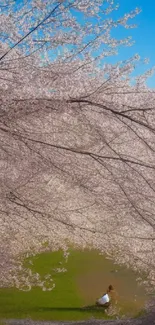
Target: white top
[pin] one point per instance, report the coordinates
(103, 300)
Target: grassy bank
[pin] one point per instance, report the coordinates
(77, 280)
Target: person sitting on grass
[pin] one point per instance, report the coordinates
(106, 298)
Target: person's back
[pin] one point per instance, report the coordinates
(107, 297)
(104, 299)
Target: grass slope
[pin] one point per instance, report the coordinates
(71, 292)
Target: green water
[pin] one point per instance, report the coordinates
(86, 279)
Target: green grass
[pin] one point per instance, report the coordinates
(40, 305)
(87, 276)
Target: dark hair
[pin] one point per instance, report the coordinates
(110, 287)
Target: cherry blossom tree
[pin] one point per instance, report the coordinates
(77, 135)
(63, 29)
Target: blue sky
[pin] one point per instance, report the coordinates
(143, 35)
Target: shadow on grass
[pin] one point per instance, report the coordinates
(59, 313)
(87, 309)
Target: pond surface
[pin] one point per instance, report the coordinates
(76, 280)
